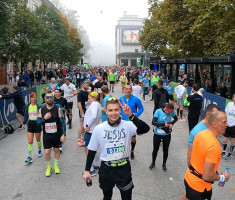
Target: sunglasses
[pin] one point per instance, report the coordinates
(50, 97)
(112, 99)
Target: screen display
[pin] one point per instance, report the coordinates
(131, 36)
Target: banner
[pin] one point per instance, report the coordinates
(8, 109)
(138, 62)
(40, 91)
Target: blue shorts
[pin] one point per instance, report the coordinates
(87, 139)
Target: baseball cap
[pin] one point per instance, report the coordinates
(202, 89)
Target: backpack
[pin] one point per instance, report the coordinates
(8, 129)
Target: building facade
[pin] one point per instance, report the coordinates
(127, 35)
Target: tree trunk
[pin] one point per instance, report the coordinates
(201, 76)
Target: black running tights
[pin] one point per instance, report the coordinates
(126, 195)
(156, 143)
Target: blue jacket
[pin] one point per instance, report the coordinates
(26, 113)
(134, 103)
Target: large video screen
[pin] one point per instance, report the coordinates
(130, 36)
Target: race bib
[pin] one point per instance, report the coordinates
(51, 127)
(115, 151)
(33, 115)
(78, 76)
(160, 131)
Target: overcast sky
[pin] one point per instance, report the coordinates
(99, 18)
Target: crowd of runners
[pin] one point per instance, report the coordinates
(108, 126)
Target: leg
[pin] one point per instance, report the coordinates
(38, 138)
(166, 144)
(30, 146)
(183, 197)
(126, 195)
(19, 117)
(108, 194)
(56, 160)
(133, 143)
(156, 144)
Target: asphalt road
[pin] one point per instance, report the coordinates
(21, 181)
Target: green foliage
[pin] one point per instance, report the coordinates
(189, 28)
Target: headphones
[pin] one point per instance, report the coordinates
(114, 123)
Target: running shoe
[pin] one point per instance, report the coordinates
(80, 143)
(229, 156)
(20, 127)
(183, 120)
(29, 160)
(223, 154)
(151, 166)
(48, 172)
(163, 168)
(57, 169)
(61, 150)
(96, 168)
(145, 101)
(132, 155)
(39, 154)
(92, 173)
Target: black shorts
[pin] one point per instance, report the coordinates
(70, 104)
(171, 97)
(230, 132)
(195, 195)
(119, 176)
(112, 82)
(49, 141)
(20, 111)
(33, 127)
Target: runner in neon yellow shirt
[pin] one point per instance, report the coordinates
(112, 79)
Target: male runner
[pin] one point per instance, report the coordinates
(112, 79)
(52, 120)
(114, 137)
(136, 107)
(230, 131)
(69, 92)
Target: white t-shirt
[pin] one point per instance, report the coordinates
(136, 91)
(92, 116)
(230, 110)
(113, 141)
(179, 91)
(68, 91)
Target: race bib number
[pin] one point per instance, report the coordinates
(33, 115)
(115, 151)
(160, 131)
(51, 127)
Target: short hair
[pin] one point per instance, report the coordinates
(211, 107)
(196, 87)
(160, 82)
(105, 89)
(129, 85)
(169, 106)
(186, 81)
(32, 94)
(16, 87)
(5, 90)
(214, 116)
(112, 100)
(136, 81)
(49, 92)
(52, 79)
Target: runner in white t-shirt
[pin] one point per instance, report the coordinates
(136, 89)
(230, 131)
(69, 92)
(114, 138)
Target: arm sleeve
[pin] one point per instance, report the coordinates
(8, 96)
(175, 120)
(140, 106)
(26, 115)
(142, 127)
(155, 123)
(89, 160)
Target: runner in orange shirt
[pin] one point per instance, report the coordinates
(205, 159)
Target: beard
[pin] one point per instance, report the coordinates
(50, 103)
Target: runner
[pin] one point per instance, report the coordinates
(82, 100)
(230, 131)
(115, 168)
(205, 159)
(112, 79)
(170, 90)
(52, 120)
(179, 91)
(91, 120)
(154, 80)
(162, 132)
(63, 104)
(69, 92)
(99, 84)
(30, 118)
(145, 86)
(136, 89)
(105, 91)
(17, 96)
(136, 108)
(123, 81)
(52, 86)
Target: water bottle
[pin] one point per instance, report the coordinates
(221, 183)
(88, 182)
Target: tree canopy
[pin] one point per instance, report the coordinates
(189, 28)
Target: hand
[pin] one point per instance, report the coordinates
(47, 116)
(86, 175)
(87, 129)
(166, 124)
(170, 126)
(126, 109)
(72, 95)
(186, 95)
(23, 126)
(63, 139)
(0, 96)
(227, 176)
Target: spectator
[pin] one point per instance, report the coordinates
(223, 90)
